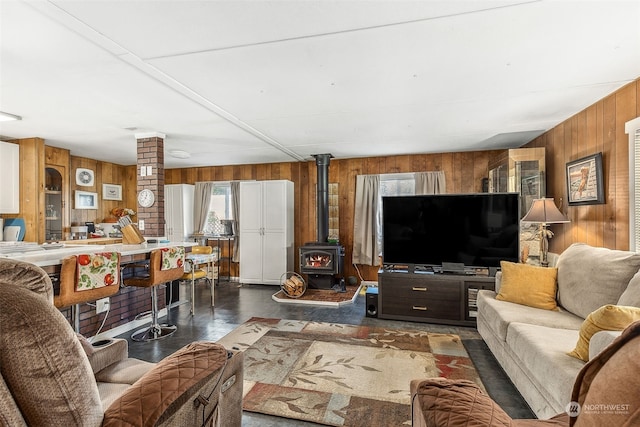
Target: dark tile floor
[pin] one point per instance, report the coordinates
(236, 304)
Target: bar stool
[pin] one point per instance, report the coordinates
(165, 265)
(85, 278)
(200, 270)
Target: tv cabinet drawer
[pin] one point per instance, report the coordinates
(418, 290)
(423, 308)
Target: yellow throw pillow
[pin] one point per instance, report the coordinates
(528, 285)
(607, 318)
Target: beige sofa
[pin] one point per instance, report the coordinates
(49, 376)
(531, 344)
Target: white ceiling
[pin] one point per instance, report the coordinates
(259, 81)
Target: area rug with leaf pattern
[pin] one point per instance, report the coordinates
(341, 375)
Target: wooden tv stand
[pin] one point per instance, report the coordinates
(430, 297)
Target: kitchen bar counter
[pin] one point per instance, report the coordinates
(53, 257)
(126, 305)
(93, 241)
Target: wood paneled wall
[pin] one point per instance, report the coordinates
(598, 128)
(105, 173)
(463, 171)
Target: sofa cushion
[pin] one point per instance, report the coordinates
(541, 352)
(499, 314)
(590, 277)
(606, 318)
(601, 340)
(58, 373)
(631, 295)
(528, 285)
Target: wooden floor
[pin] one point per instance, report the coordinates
(236, 303)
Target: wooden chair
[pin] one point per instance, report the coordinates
(85, 278)
(157, 272)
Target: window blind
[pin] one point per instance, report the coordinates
(632, 128)
(635, 192)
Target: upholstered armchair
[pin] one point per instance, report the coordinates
(606, 393)
(50, 376)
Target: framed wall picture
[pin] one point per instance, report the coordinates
(86, 200)
(111, 192)
(585, 184)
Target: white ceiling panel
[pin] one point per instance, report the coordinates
(235, 82)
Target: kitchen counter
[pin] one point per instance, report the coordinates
(93, 241)
(51, 257)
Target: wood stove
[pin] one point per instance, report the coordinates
(322, 261)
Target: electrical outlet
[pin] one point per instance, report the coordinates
(141, 224)
(102, 305)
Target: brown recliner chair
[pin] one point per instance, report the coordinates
(49, 376)
(606, 393)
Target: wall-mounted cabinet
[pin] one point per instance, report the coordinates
(9, 177)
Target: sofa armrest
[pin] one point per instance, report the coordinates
(174, 382)
(498, 281)
(600, 340)
(101, 356)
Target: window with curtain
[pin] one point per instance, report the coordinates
(397, 184)
(367, 229)
(632, 128)
(220, 208)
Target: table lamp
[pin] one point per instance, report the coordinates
(544, 211)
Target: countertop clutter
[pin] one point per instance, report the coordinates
(40, 256)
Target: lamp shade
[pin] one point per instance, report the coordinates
(544, 210)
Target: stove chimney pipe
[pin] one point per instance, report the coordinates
(322, 196)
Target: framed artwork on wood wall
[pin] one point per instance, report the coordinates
(585, 183)
(86, 200)
(111, 192)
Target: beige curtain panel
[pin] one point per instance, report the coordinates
(430, 183)
(235, 207)
(367, 223)
(201, 201)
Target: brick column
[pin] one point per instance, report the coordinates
(151, 154)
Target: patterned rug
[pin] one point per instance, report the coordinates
(341, 375)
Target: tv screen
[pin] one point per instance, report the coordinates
(477, 230)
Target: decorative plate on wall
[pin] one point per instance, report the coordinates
(84, 177)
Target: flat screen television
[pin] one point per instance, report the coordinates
(477, 230)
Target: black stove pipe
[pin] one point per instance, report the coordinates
(322, 196)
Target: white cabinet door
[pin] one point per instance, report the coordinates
(274, 203)
(251, 257)
(178, 211)
(274, 262)
(9, 177)
(250, 206)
